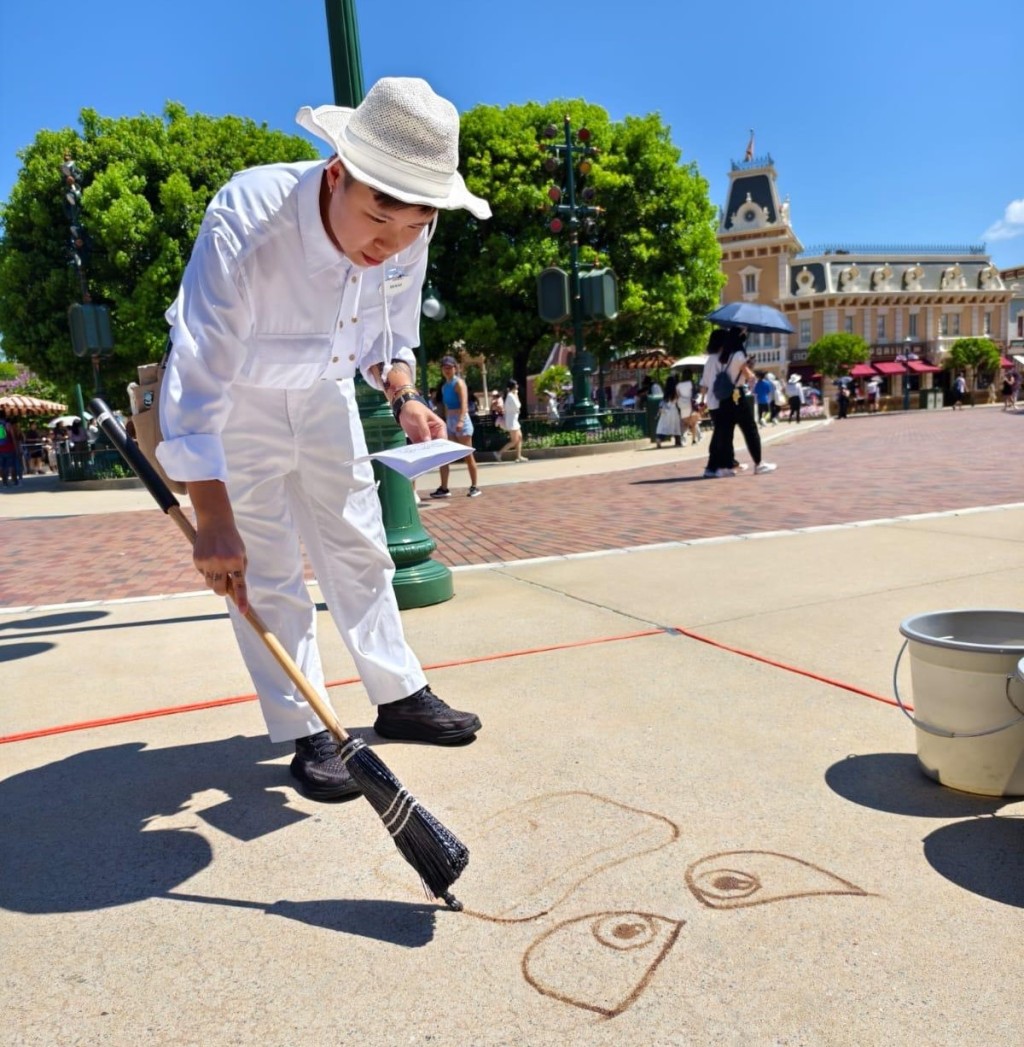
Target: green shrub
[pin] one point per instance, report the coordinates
(573, 438)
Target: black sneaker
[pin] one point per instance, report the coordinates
(474, 492)
(441, 492)
(423, 717)
(320, 770)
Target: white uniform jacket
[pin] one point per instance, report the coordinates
(268, 300)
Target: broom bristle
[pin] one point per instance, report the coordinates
(431, 849)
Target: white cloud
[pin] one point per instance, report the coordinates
(1010, 225)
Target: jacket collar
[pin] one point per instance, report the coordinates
(317, 247)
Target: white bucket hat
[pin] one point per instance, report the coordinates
(403, 140)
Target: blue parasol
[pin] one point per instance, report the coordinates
(752, 315)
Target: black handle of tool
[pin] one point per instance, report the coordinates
(130, 452)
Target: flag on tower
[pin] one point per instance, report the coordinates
(750, 147)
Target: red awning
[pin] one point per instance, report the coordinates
(1008, 363)
(887, 367)
(862, 371)
(920, 367)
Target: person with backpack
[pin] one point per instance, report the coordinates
(10, 449)
(724, 382)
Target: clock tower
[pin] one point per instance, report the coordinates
(757, 243)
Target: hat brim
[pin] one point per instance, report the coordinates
(328, 122)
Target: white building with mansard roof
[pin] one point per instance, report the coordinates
(909, 303)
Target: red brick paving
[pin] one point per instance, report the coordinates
(863, 469)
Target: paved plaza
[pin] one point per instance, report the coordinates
(694, 813)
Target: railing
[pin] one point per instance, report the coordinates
(915, 250)
(764, 160)
(89, 464)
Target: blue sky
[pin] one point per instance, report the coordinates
(891, 123)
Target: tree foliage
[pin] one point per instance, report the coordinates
(553, 380)
(973, 354)
(657, 233)
(147, 181)
(834, 354)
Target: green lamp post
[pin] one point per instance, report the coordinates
(419, 581)
(577, 296)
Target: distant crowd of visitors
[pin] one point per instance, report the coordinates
(29, 448)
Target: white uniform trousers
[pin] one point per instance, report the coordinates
(286, 451)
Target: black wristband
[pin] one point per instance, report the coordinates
(400, 401)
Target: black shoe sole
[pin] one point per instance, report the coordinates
(412, 732)
(319, 791)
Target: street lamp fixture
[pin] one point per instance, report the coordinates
(576, 296)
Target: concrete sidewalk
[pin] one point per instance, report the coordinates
(674, 842)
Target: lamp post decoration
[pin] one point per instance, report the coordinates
(576, 296)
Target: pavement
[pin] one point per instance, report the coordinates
(695, 814)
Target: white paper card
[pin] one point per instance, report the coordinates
(413, 460)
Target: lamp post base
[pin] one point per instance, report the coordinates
(419, 581)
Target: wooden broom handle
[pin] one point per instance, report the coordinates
(273, 644)
(154, 483)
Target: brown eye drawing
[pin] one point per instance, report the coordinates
(601, 962)
(736, 879)
(528, 858)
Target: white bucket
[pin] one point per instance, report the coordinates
(967, 671)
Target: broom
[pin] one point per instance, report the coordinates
(431, 849)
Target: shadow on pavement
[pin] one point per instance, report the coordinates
(982, 854)
(399, 923)
(894, 783)
(668, 480)
(75, 831)
(12, 652)
(53, 621)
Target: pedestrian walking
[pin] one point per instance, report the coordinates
(511, 422)
(764, 393)
(459, 423)
(725, 383)
(959, 391)
(795, 396)
(669, 422)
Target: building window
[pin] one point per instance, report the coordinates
(805, 332)
(988, 323)
(848, 323)
(880, 329)
(954, 324)
(944, 325)
(912, 325)
(750, 278)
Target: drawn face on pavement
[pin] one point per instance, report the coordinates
(367, 232)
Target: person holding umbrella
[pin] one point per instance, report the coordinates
(727, 366)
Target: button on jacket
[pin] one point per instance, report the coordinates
(268, 300)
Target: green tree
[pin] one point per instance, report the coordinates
(553, 380)
(975, 356)
(657, 233)
(147, 181)
(834, 354)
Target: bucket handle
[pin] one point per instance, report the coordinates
(941, 732)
